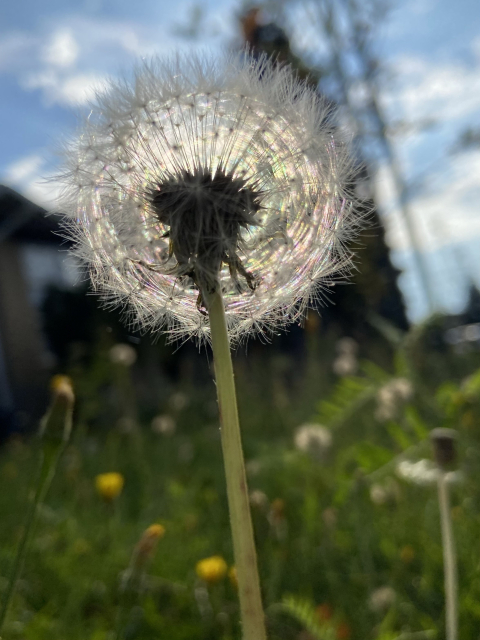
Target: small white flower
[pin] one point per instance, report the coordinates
(378, 494)
(402, 388)
(346, 364)
(347, 346)
(381, 494)
(424, 472)
(197, 172)
(179, 401)
(313, 439)
(391, 397)
(253, 467)
(123, 354)
(164, 425)
(258, 499)
(382, 599)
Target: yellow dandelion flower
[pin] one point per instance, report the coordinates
(109, 485)
(147, 544)
(58, 381)
(155, 531)
(62, 387)
(212, 569)
(56, 424)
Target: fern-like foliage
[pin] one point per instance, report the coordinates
(305, 613)
(350, 395)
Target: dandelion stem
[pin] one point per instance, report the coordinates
(48, 466)
(55, 429)
(449, 559)
(253, 619)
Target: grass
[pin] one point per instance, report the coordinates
(330, 533)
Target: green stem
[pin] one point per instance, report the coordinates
(127, 600)
(48, 465)
(449, 559)
(253, 619)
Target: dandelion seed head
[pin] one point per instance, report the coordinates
(382, 599)
(198, 172)
(444, 446)
(313, 439)
(391, 397)
(123, 355)
(424, 472)
(164, 425)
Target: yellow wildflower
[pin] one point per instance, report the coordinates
(56, 424)
(59, 381)
(147, 544)
(212, 569)
(109, 485)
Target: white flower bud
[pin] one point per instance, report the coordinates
(123, 354)
(164, 425)
(313, 439)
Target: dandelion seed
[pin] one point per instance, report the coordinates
(202, 172)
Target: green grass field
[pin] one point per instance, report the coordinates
(348, 538)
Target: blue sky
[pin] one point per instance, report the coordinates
(53, 54)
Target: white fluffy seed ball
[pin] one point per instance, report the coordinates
(196, 171)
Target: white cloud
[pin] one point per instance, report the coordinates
(43, 191)
(447, 212)
(80, 88)
(62, 50)
(23, 169)
(69, 62)
(30, 176)
(65, 89)
(425, 89)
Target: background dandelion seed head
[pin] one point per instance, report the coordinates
(250, 121)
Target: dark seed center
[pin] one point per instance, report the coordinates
(205, 213)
